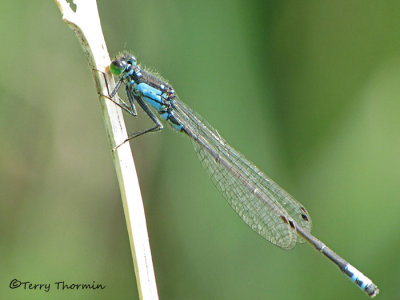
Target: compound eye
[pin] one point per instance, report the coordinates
(117, 67)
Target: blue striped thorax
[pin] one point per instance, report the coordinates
(140, 83)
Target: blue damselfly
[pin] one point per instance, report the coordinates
(262, 204)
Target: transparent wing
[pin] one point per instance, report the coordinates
(267, 210)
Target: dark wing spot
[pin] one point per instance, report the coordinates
(305, 218)
(291, 224)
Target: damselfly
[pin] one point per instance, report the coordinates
(260, 202)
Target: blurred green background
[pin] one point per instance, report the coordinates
(308, 90)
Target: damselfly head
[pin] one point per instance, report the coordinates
(121, 63)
